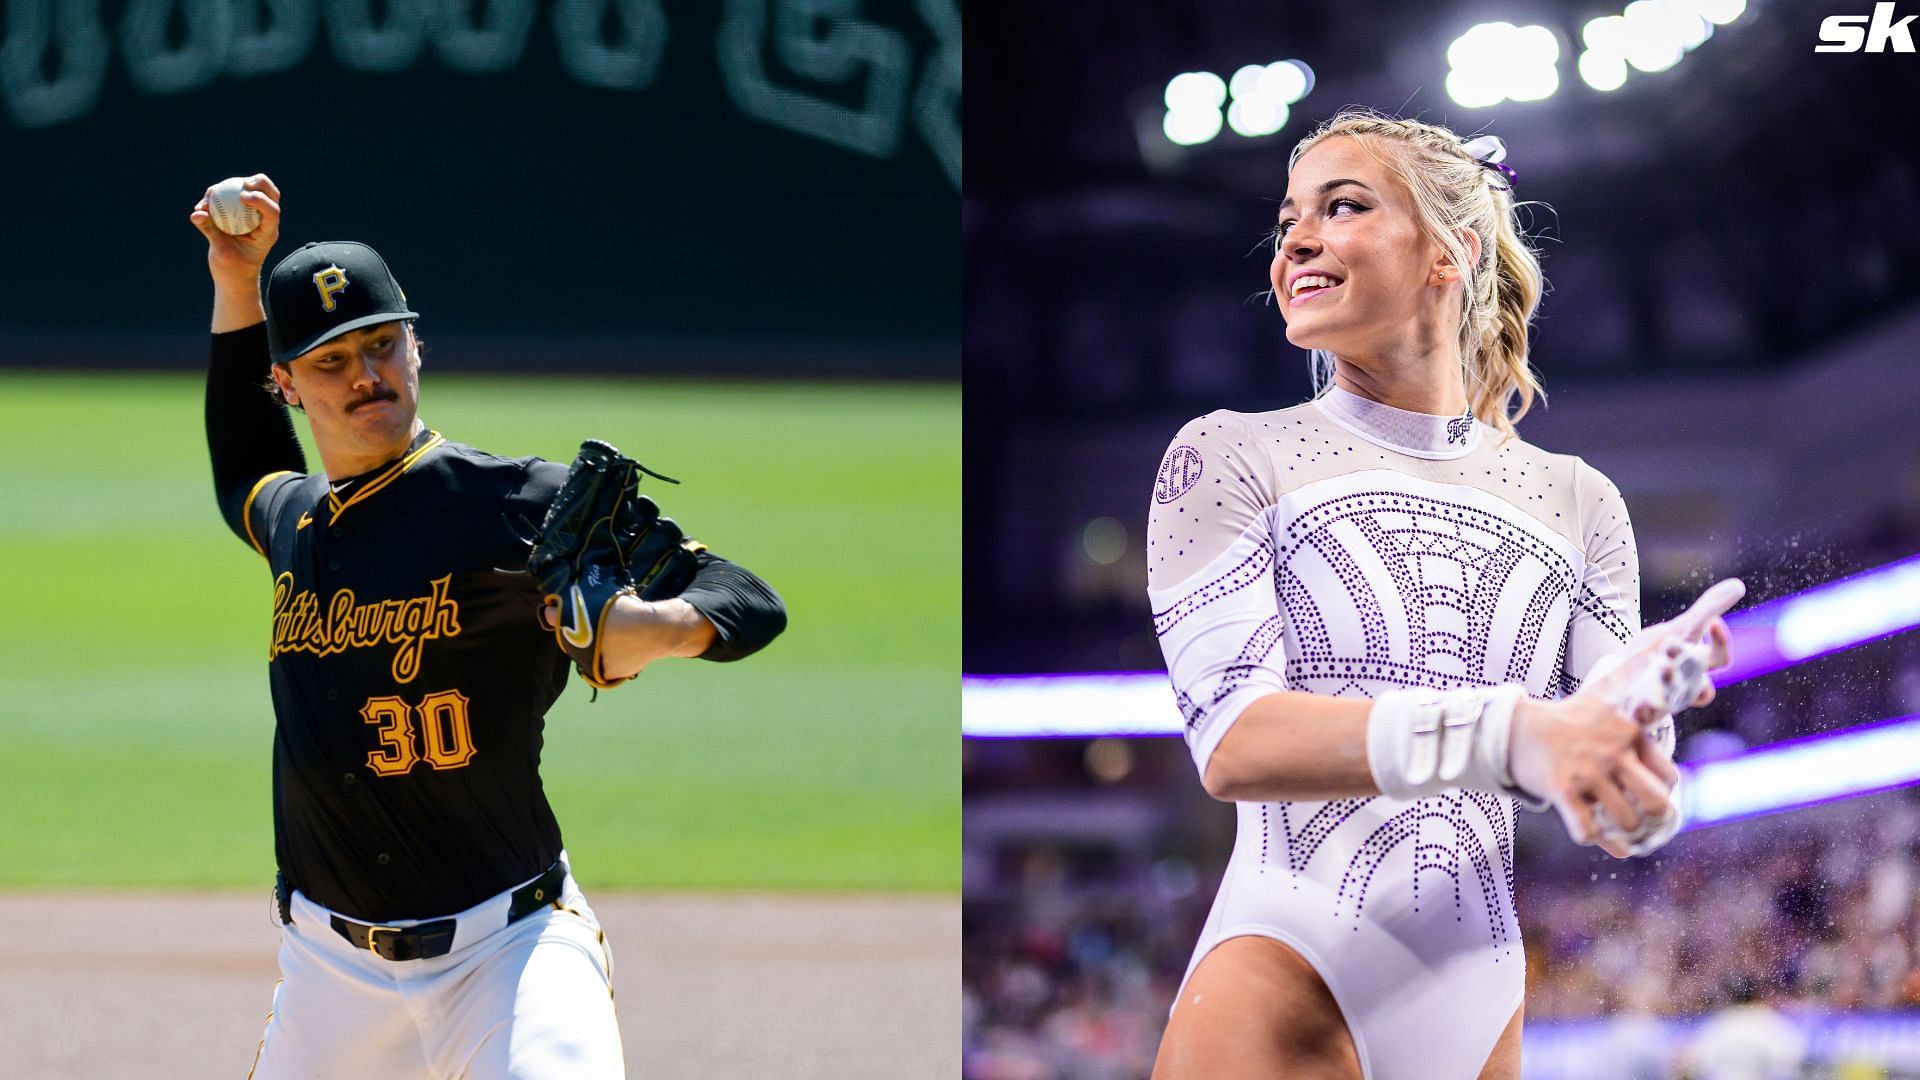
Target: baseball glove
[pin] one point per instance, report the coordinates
(602, 538)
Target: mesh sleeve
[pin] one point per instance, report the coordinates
(1606, 611)
(1606, 605)
(1210, 577)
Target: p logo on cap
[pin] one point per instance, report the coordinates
(330, 281)
(352, 283)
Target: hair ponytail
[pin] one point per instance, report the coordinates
(1499, 372)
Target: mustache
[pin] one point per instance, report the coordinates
(378, 395)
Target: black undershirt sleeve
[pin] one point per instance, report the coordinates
(744, 610)
(248, 434)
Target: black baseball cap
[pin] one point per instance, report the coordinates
(324, 290)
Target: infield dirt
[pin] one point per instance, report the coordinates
(168, 985)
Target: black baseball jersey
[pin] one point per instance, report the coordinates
(410, 674)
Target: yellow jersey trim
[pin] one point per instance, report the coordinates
(246, 508)
(393, 473)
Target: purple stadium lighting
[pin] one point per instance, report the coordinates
(1766, 637)
(1803, 772)
(1067, 706)
(1781, 776)
(1825, 619)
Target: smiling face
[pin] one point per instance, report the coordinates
(1352, 269)
(361, 392)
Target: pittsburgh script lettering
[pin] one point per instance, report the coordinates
(301, 624)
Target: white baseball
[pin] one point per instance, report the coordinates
(229, 214)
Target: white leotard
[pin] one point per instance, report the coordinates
(1344, 547)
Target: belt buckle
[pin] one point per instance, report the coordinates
(373, 939)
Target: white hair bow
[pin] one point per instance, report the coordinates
(1489, 151)
(1485, 148)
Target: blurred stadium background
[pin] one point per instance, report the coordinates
(1733, 243)
(719, 235)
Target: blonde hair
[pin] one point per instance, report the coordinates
(1452, 192)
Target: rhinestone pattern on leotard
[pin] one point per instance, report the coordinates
(1253, 655)
(1250, 571)
(1442, 831)
(1406, 551)
(1451, 566)
(1407, 533)
(1434, 573)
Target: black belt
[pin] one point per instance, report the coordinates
(427, 940)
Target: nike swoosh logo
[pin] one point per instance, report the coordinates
(580, 635)
(305, 520)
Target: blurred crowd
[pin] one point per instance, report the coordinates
(1071, 974)
(1812, 909)
(1069, 971)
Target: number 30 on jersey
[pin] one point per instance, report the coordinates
(444, 738)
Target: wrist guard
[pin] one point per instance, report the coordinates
(1421, 742)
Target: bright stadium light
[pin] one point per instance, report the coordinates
(1839, 615)
(1256, 116)
(1287, 81)
(1802, 772)
(1603, 71)
(1193, 91)
(1533, 83)
(1474, 88)
(1071, 706)
(1537, 44)
(1783, 776)
(1690, 25)
(1494, 62)
(1608, 34)
(1245, 84)
(1653, 42)
(1675, 22)
(1262, 94)
(1189, 127)
(1193, 102)
(1256, 100)
(1767, 637)
(1857, 609)
(1652, 35)
(1480, 47)
(1654, 54)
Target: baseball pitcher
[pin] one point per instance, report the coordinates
(428, 600)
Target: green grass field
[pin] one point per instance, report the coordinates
(135, 727)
